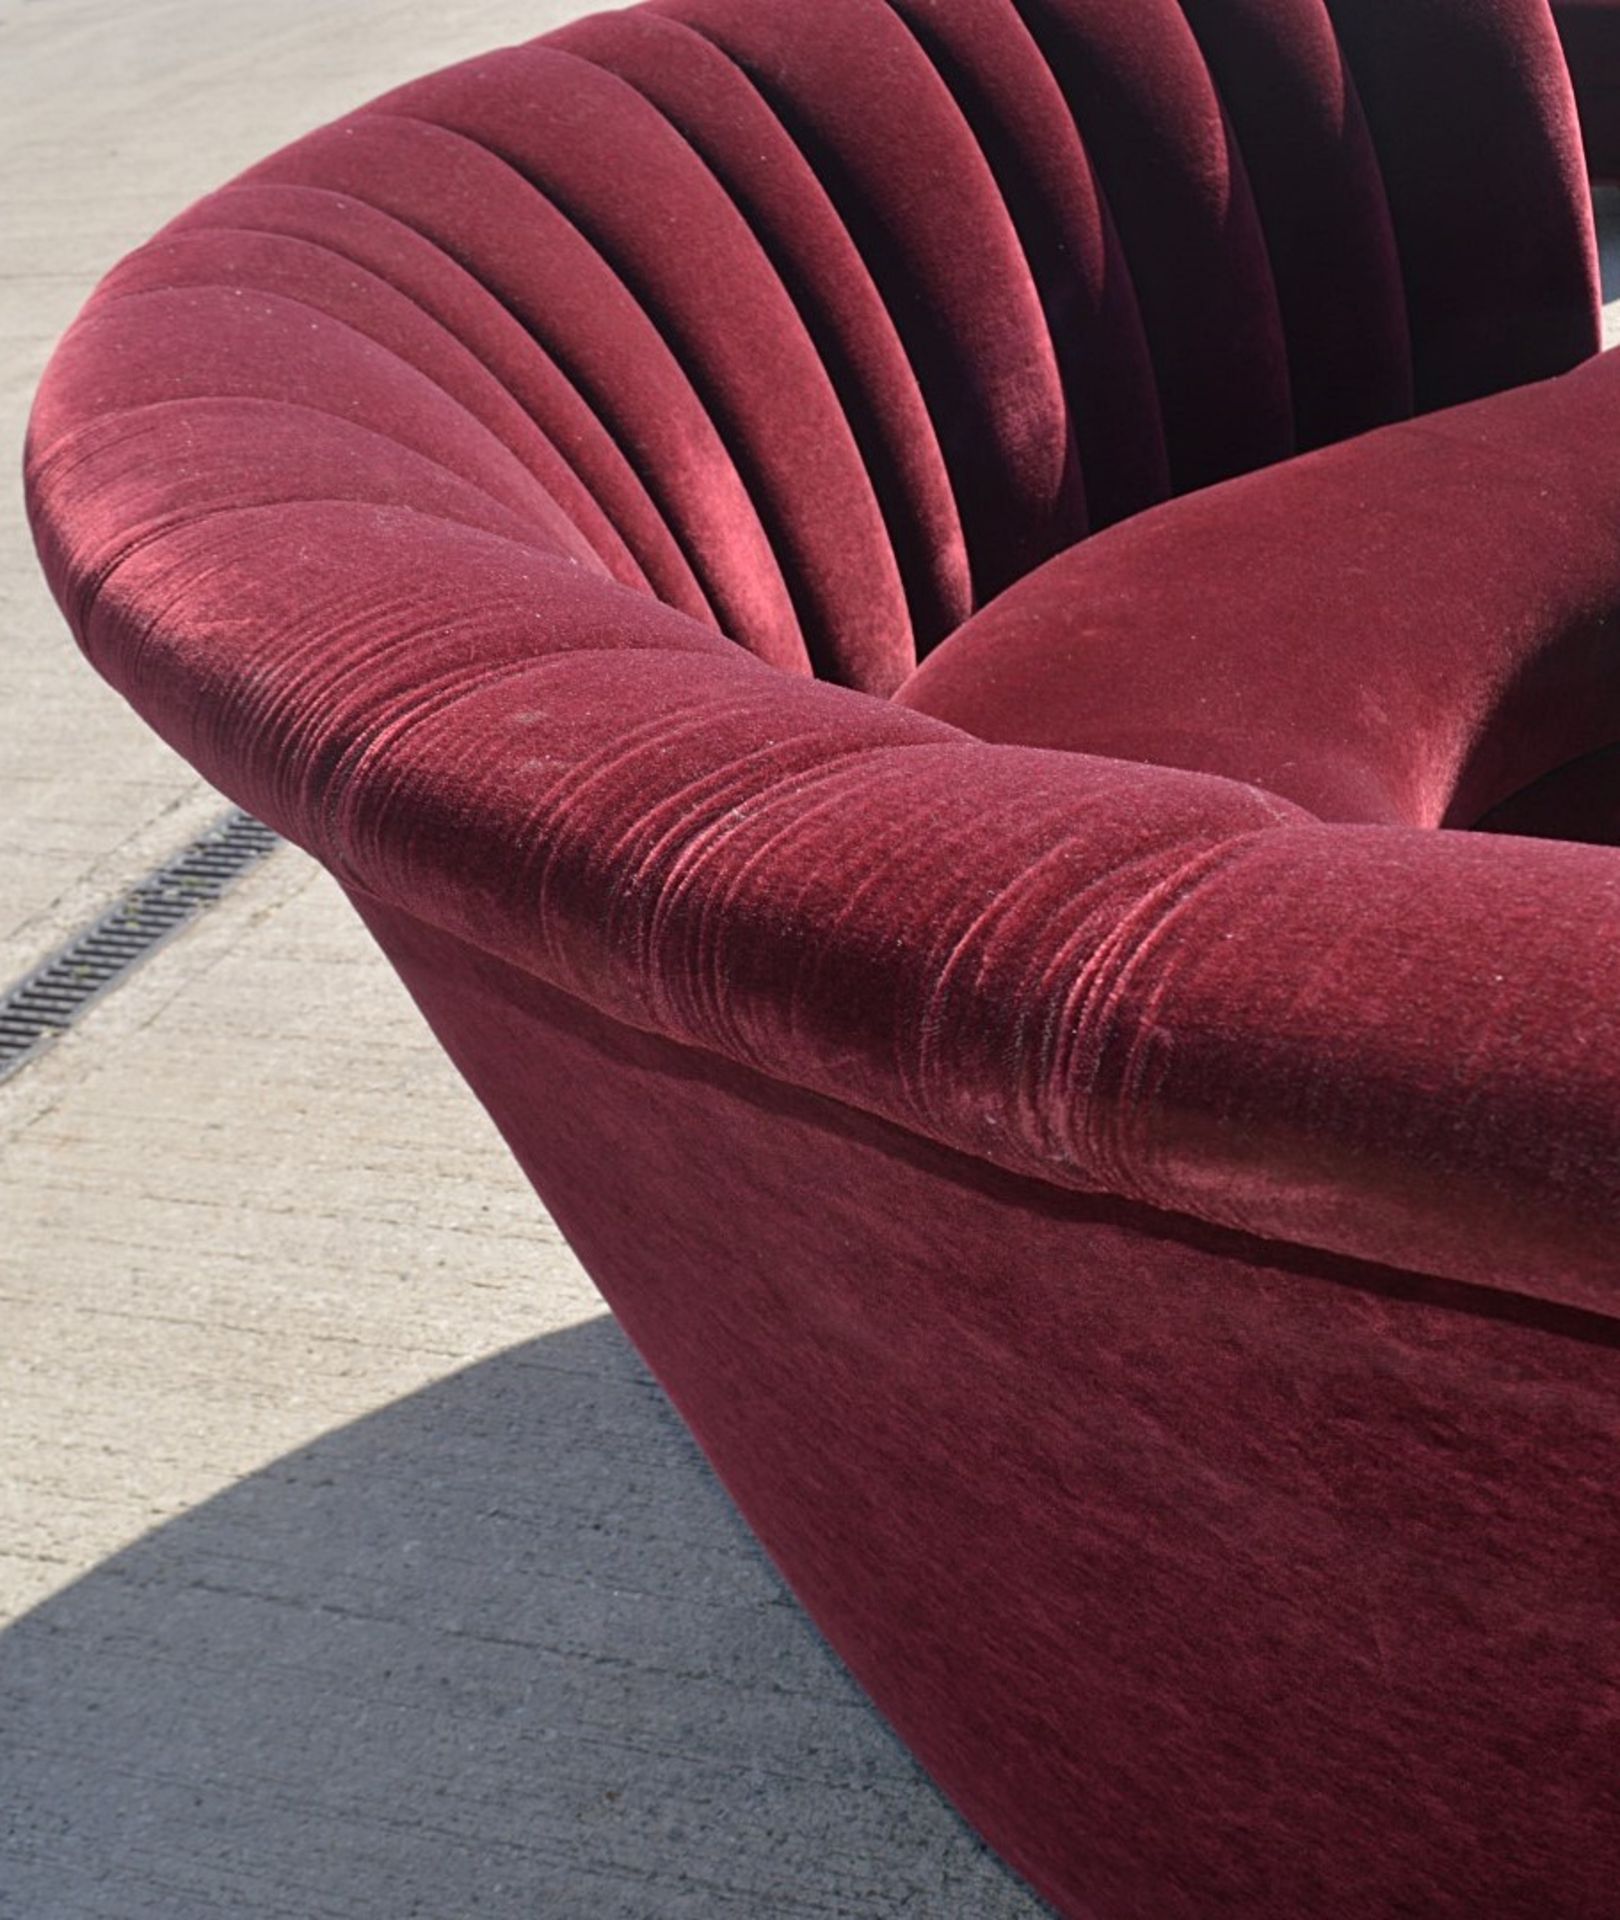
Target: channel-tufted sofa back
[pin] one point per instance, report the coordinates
(825, 322)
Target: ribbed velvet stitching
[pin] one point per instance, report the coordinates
(233, 283)
(1351, 401)
(117, 295)
(1115, 424)
(96, 583)
(1226, 403)
(585, 438)
(970, 102)
(715, 418)
(580, 505)
(46, 453)
(714, 567)
(906, 467)
(844, 573)
(822, 624)
(833, 601)
(1492, 323)
(639, 523)
(978, 444)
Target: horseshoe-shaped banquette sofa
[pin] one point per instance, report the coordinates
(967, 654)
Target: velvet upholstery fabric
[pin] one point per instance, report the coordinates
(1590, 32)
(1124, 1184)
(1418, 687)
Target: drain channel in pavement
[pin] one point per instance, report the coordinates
(49, 1000)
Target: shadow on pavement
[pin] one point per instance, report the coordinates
(501, 1648)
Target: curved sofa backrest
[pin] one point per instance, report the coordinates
(412, 485)
(823, 322)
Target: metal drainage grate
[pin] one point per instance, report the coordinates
(49, 1000)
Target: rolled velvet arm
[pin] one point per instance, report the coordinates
(361, 617)
(1407, 628)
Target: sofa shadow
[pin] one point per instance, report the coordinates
(1606, 211)
(501, 1648)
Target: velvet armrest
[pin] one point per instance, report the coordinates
(1393, 1043)
(1407, 628)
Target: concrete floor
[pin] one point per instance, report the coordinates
(350, 1564)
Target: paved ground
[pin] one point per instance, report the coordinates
(354, 1567)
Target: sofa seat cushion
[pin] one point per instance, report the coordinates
(1405, 629)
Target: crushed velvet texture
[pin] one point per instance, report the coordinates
(1101, 1156)
(1590, 32)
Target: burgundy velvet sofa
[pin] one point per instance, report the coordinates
(1590, 32)
(968, 656)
